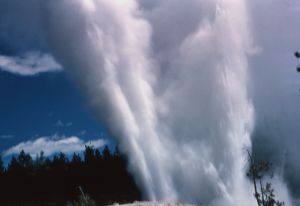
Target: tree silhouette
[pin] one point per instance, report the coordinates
(40, 159)
(263, 192)
(98, 155)
(25, 160)
(54, 181)
(1, 166)
(60, 159)
(14, 165)
(116, 153)
(89, 154)
(76, 159)
(106, 153)
(297, 55)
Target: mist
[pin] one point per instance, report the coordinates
(173, 96)
(275, 88)
(186, 88)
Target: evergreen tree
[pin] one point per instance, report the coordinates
(25, 160)
(75, 159)
(117, 154)
(1, 166)
(60, 162)
(45, 180)
(61, 158)
(106, 153)
(40, 159)
(98, 155)
(89, 154)
(14, 165)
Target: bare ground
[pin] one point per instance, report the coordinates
(153, 204)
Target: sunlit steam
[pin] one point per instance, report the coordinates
(170, 78)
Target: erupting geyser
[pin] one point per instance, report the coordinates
(170, 78)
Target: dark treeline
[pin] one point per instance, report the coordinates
(56, 180)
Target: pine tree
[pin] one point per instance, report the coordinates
(106, 153)
(98, 155)
(2, 169)
(40, 159)
(14, 165)
(75, 159)
(25, 160)
(89, 154)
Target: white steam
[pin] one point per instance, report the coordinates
(171, 80)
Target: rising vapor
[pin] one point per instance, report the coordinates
(171, 81)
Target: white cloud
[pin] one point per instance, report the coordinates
(30, 63)
(60, 123)
(54, 144)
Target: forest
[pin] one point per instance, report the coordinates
(58, 180)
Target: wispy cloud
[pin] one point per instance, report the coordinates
(69, 124)
(30, 63)
(54, 144)
(60, 123)
(6, 136)
(83, 132)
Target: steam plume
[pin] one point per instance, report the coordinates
(171, 80)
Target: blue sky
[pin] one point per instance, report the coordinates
(39, 100)
(43, 105)
(39, 104)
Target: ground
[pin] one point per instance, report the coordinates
(153, 204)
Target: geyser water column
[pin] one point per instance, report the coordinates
(104, 44)
(179, 108)
(207, 116)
